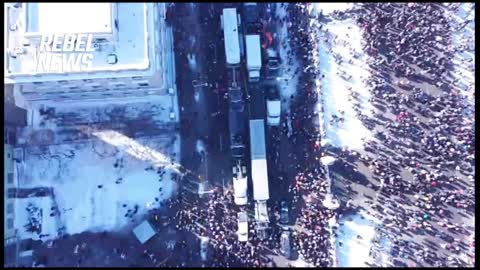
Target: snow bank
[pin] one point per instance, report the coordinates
(354, 252)
(464, 62)
(107, 110)
(90, 191)
(289, 81)
(300, 262)
(335, 89)
(328, 8)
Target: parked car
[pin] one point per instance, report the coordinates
(204, 247)
(284, 212)
(286, 243)
(242, 221)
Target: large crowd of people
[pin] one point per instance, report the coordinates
(431, 134)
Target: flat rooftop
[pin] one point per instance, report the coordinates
(133, 48)
(64, 18)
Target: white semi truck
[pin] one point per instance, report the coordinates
(230, 21)
(254, 57)
(259, 171)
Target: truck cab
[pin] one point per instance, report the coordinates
(237, 148)
(237, 102)
(251, 18)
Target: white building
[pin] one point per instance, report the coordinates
(133, 54)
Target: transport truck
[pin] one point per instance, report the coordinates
(254, 57)
(230, 21)
(259, 172)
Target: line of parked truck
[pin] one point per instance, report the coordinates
(235, 43)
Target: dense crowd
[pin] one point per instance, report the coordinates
(217, 221)
(431, 135)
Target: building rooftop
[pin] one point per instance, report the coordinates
(59, 18)
(133, 45)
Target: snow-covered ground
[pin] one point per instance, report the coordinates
(464, 72)
(329, 8)
(289, 81)
(345, 37)
(95, 184)
(354, 252)
(300, 262)
(99, 180)
(464, 62)
(49, 224)
(157, 107)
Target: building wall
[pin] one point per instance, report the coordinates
(9, 204)
(123, 83)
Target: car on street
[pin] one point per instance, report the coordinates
(286, 243)
(204, 247)
(242, 222)
(284, 212)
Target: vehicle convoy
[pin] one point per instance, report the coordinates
(230, 21)
(254, 57)
(273, 106)
(240, 185)
(259, 171)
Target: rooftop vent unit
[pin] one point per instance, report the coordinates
(112, 59)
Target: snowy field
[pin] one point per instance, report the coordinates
(329, 8)
(464, 62)
(336, 87)
(354, 252)
(104, 110)
(96, 184)
(289, 81)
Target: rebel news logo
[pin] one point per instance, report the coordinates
(65, 53)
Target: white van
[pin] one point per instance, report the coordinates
(242, 220)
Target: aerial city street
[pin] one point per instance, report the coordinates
(239, 135)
